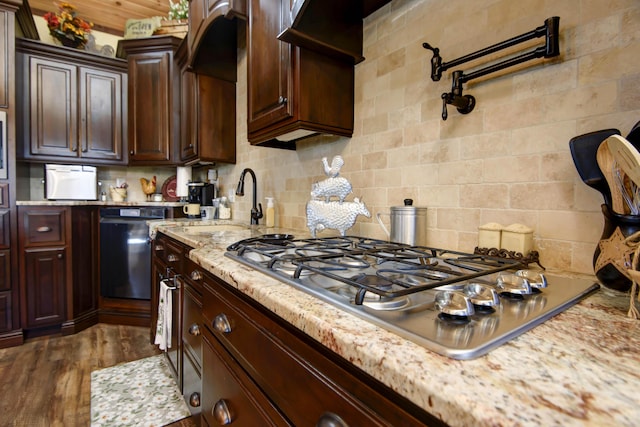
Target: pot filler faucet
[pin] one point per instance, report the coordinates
(256, 209)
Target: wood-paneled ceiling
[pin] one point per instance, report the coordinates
(108, 16)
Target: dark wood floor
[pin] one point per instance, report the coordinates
(47, 381)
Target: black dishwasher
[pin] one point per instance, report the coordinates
(125, 252)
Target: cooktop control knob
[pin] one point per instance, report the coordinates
(454, 303)
(513, 284)
(535, 278)
(481, 295)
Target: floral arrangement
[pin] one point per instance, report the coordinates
(179, 11)
(67, 27)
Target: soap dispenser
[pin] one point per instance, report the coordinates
(270, 218)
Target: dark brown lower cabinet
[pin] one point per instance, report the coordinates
(45, 274)
(57, 268)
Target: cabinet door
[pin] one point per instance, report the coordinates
(44, 286)
(5, 270)
(268, 67)
(100, 114)
(53, 108)
(229, 395)
(215, 139)
(150, 107)
(5, 229)
(196, 20)
(6, 23)
(188, 125)
(5, 311)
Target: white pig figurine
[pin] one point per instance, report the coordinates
(331, 187)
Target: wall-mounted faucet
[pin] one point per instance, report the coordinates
(256, 208)
(466, 103)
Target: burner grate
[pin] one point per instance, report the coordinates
(408, 269)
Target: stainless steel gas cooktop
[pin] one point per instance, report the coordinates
(456, 304)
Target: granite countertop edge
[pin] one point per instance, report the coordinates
(580, 368)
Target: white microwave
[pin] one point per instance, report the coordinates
(71, 182)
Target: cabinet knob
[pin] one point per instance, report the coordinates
(194, 330)
(196, 275)
(74, 149)
(59, 256)
(194, 399)
(221, 323)
(221, 413)
(282, 100)
(329, 419)
(172, 258)
(131, 152)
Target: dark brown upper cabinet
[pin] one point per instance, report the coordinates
(212, 37)
(293, 92)
(73, 105)
(208, 116)
(330, 27)
(153, 99)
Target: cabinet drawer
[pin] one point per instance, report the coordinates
(191, 385)
(169, 251)
(43, 227)
(271, 356)
(226, 389)
(192, 324)
(193, 274)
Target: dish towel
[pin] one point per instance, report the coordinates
(165, 309)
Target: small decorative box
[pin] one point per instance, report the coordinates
(517, 238)
(489, 235)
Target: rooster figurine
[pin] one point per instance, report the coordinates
(148, 186)
(334, 170)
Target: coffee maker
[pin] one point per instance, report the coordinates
(194, 199)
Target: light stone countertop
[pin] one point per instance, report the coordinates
(580, 368)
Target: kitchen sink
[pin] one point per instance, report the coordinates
(212, 228)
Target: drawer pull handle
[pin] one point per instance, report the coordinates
(194, 399)
(159, 248)
(196, 275)
(221, 413)
(172, 258)
(194, 330)
(329, 419)
(43, 229)
(221, 323)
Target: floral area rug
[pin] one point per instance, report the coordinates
(139, 393)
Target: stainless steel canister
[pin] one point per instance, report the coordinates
(408, 224)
